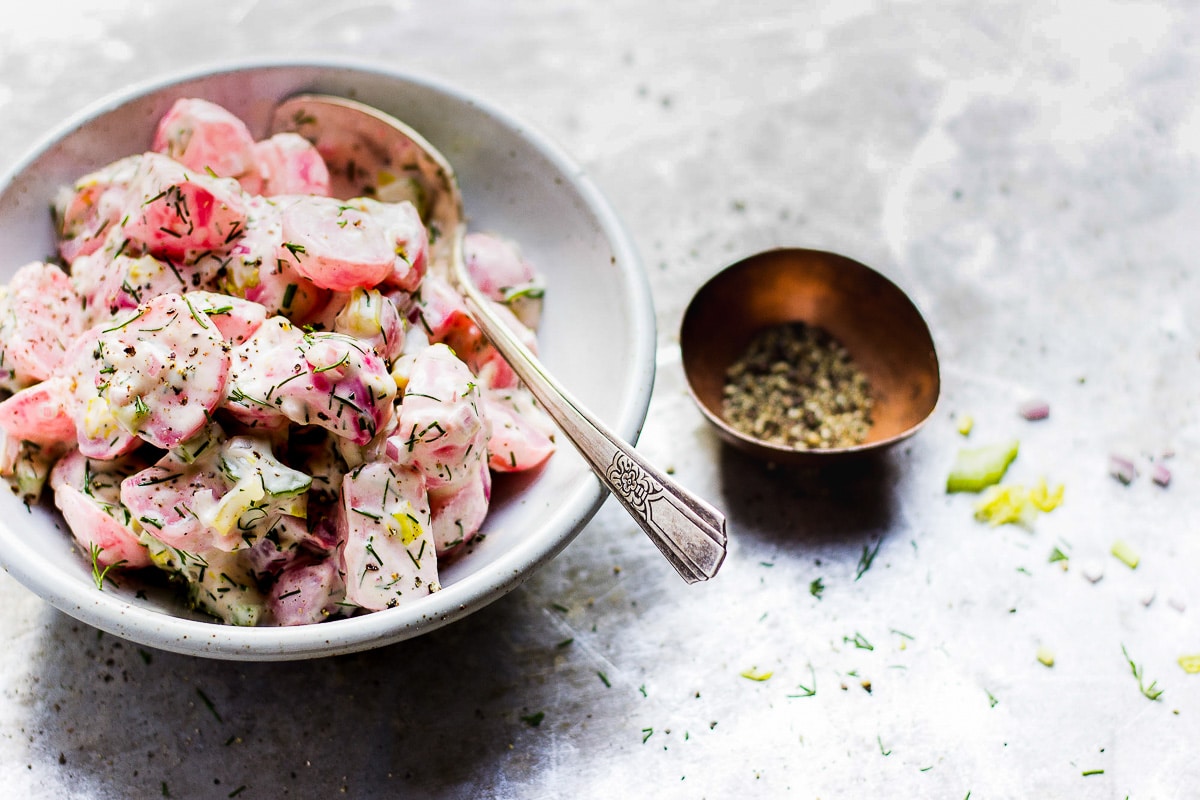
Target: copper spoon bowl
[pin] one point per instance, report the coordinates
(876, 321)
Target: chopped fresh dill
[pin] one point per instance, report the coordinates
(807, 691)
(99, 575)
(858, 641)
(344, 359)
(199, 320)
(868, 555)
(209, 704)
(126, 322)
(1151, 692)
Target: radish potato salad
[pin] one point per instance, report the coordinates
(230, 376)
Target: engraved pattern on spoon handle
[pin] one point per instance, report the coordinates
(688, 531)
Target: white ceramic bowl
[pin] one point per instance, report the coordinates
(597, 338)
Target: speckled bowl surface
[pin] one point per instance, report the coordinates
(597, 337)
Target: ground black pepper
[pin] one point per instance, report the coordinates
(797, 386)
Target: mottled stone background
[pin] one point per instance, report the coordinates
(1027, 171)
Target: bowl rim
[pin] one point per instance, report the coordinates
(165, 631)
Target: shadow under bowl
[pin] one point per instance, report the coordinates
(878, 324)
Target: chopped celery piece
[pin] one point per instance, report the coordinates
(1125, 554)
(1190, 664)
(236, 502)
(245, 460)
(1012, 503)
(1046, 656)
(1005, 505)
(1044, 498)
(410, 529)
(226, 589)
(208, 440)
(965, 423)
(977, 468)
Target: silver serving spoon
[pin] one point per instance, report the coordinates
(370, 153)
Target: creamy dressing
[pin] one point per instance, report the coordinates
(224, 385)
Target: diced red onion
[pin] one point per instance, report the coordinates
(1160, 474)
(1121, 468)
(1034, 409)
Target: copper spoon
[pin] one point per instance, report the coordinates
(371, 153)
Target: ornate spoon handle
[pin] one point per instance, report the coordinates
(688, 531)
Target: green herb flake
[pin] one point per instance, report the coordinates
(646, 734)
(534, 720)
(865, 560)
(209, 704)
(1087, 773)
(1058, 555)
(99, 575)
(1151, 692)
(816, 587)
(807, 691)
(123, 324)
(858, 641)
(196, 315)
(329, 367)
(604, 679)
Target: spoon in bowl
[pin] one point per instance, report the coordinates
(370, 153)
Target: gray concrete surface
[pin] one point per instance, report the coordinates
(1027, 171)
